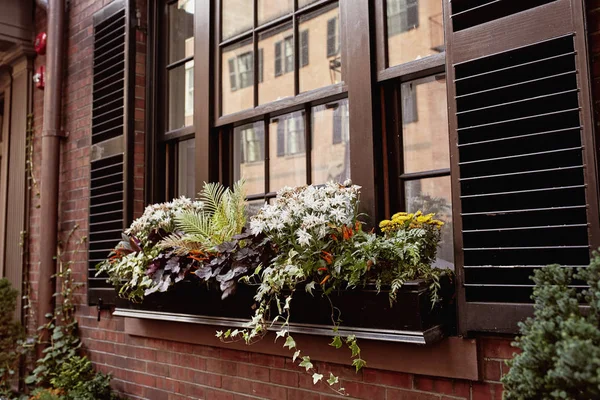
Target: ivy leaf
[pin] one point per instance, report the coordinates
(358, 363)
(289, 342)
(306, 363)
(332, 379)
(316, 378)
(354, 348)
(227, 333)
(337, 342)
(309, 287)
(235, 333)
(296, 354)
(281, 333)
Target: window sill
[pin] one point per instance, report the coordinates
(452, 357)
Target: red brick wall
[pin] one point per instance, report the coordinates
(157, 369)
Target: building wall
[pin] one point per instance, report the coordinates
(146, 368)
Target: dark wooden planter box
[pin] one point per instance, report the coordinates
(364, 312)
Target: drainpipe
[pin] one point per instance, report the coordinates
(51, 135)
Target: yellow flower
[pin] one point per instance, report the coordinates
(384, 223)
(400, 214)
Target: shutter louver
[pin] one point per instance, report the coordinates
(281, 137)
(468, 13)
(304, 48)
(110, 206)
(278, 66)
(523, 161)
(332, 37)
(337, 125)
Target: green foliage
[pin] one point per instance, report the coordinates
(223, 217)
(11, 333)
(77, 379)
(560, 345)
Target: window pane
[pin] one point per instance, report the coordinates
(277, 64)
(181, 30)
(181, 96)
(249, 156)
(268, 10)
(330, 143)
(414, 29)
(287, 161)
(237, 81)
(433, 195)
(254, 206)
(186, 158)
(322, 65)
(425, 125)
(304, 3)
(238, 17)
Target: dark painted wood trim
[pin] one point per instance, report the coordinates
(454, 357)
(380, 35)
(360, 74)
(414, 69)
(203, 91)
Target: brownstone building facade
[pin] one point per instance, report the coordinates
(292, 93)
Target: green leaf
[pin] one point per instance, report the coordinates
(296, 354)
(354, 348)
(332, 379)
(289, 342)
(337, 342)
(309, 287)
(316, 378)
(358, 363)
(219, 334)
(306, 363)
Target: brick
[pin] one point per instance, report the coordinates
(221, 366)
(400, 394)
(283, 377)
(388, 378)
(492, 370)
(497, 348)
(253, 372)
(267, 361)
(486, 391)
(297, 394)
(364, 390)
(217, 395)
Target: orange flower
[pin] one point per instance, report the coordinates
(369, 264)
(328, 257)
(357, 226)
(347, 232)
(334, 237)
(324, 281)
(322, 269)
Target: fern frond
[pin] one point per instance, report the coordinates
(194, 224)
(180, 243)
(212, 195)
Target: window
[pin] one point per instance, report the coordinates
(290, 135)
(414, 30)
(402, 16)
(189, 87)
(253, 144)
(290, 65)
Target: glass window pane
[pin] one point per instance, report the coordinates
(304, 3)
(330, 143)
(238, 17)
(425, 125)
(433, 195)
(237, 90)
(181, 30)
(320, 58)
(181, 96)
(269, 10)
(287, 151)
(276, 64)
(186, 158)
(414, 29)
(249, 156)
(254, 206)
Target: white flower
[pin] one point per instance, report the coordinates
(304, 237)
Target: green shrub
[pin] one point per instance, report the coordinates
(79, 381)
(11, 333)
(560, 345)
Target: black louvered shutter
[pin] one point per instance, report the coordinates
(242, 146)
(304, 48)
(260, 65)
(278, 66)
(112, 152)
(523, 162)
(332, 37)
(410, 112)
(281, 137)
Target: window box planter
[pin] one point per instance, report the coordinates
(364, 312)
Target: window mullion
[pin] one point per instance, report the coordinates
(308, 143)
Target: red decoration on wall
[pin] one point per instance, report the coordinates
(40, 43)
(39, 77)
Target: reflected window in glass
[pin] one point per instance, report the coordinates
(237, 17)
(414, 29)
(248, 155)
(287, 146)
(186, 159)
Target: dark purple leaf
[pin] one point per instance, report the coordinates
(204, 273)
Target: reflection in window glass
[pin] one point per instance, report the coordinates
(249, 156)
(181, 96)
(323, 64)
(330, 143)
(181, 30)
(433, 195)
(238, 17)
(186, 159)
(253, 207)
(287, 151)
(414, 29)
(425, 125)
(277, 48)
(269, 10)
(237, 90)
(304, 3)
